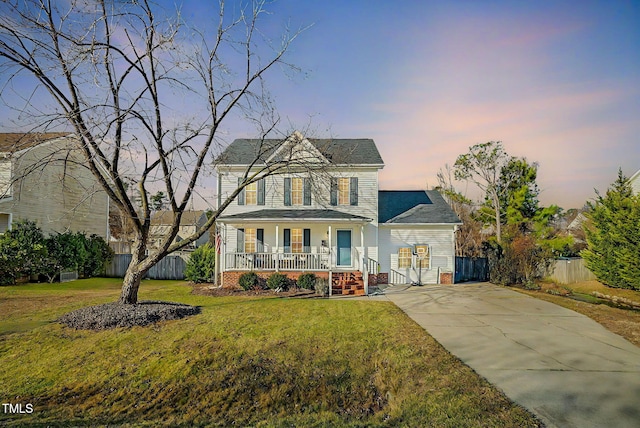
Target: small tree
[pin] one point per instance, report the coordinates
(613, 236)
(201, 264)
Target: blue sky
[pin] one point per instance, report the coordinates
(558, 82)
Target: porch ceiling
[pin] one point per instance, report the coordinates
(298, 214)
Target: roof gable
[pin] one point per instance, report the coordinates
(336, 151)
(298, 149)
(414, 207)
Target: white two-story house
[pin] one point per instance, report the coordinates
(322, 214)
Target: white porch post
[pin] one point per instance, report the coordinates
(330, 260)
(277, 248)
(363, 257)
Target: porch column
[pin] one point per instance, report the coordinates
(330, 261)
(277, 248)
(364, 269)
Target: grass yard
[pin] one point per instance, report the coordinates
(242, 361)
(623, 322)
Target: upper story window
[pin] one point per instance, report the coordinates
(297, 191)
(252, 194)
(344, 191)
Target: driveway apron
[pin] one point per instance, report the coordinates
(562, 366)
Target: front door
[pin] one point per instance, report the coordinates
(344, 247)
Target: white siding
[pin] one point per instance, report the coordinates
(274, 192)
(318, 234)
(58, 197)
(635, 182)
(5, 178)
(441, 247)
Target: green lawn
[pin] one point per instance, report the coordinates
(242, 361)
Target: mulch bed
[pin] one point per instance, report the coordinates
(208, 290)
(114, 315)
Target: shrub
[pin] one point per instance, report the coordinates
(201, 264)
(519, 260)
(277, 280)
(98, 254)
(22, 251)
(307, 281)
(322, 286)
(249, 281)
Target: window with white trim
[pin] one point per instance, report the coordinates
(297, 191)
(343, 191)
(251, 194)
(250, 237)
(422, 256)
(297, 241)
(404, 257)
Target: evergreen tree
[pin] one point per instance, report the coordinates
(613, 236)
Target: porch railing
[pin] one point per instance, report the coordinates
(277, 261)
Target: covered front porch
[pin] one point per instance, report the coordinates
(332, 244)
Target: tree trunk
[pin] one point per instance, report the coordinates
(496, 207)
(130, 285)
(134, 274)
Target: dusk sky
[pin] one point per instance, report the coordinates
(558, 82)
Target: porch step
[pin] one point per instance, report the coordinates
(347, 283)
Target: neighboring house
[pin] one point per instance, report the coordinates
(335, 223)
(191, 221)
(635, 182)
(43, 179)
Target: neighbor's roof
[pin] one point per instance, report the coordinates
(414, 207)
(361, 151)
(14, 142)
(304, 214)
(166, 217)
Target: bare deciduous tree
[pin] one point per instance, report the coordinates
(122, 74)
(483, 165)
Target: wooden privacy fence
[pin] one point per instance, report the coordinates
(568, 271)
(170, 267)
(471, 269)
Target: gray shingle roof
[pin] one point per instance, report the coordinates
(414, 207)
(306, 214)
(361, 151)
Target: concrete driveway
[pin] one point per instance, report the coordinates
(562, 366)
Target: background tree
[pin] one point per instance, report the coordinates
(483, 165)
(613, 236)
(526, 239)
(121, 75)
